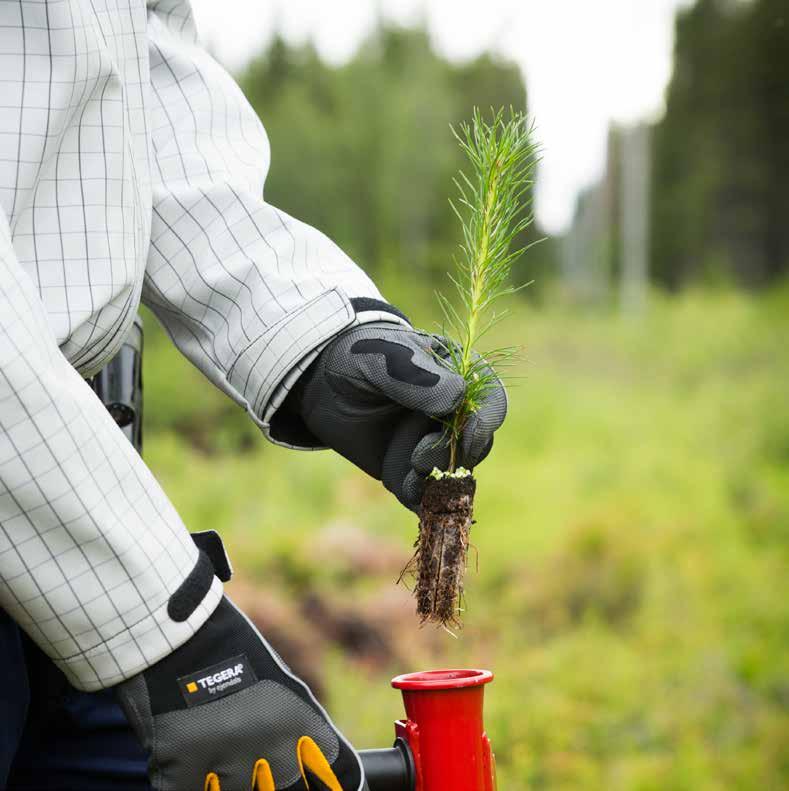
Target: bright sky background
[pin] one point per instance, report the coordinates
(586, 62)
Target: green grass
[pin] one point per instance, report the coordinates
(633, 542)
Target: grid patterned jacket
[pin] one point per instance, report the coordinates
(131, 167)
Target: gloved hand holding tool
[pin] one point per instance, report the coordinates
(224, 713)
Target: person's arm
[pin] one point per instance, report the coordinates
(99, 570)
(91, 550)
(247, 293)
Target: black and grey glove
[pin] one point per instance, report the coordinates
(224, 713)
(376, 394)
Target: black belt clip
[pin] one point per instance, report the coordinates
(119, 385)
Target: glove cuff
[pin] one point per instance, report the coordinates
(365, 304)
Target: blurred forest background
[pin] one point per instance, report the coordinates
(633, 518)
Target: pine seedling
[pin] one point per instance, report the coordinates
(493, 207)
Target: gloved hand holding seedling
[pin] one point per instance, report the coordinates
(493, 208)
(415, 410)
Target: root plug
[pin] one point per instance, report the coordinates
(439, 564)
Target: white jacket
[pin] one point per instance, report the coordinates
(131, 166)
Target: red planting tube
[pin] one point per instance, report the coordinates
(444, 729)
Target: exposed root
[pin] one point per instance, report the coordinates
(439, 562)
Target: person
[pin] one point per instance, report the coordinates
(132, 169)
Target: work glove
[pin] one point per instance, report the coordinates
(224, 713)
(376, 394)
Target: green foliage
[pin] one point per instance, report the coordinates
(493, 212)
(362, 151)
(721, 155)
(634, 556)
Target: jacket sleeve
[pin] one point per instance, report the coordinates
(247, 293)
(91, 551)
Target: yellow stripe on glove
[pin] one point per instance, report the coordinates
(262, 779)
(315, 771)
(314, 766)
